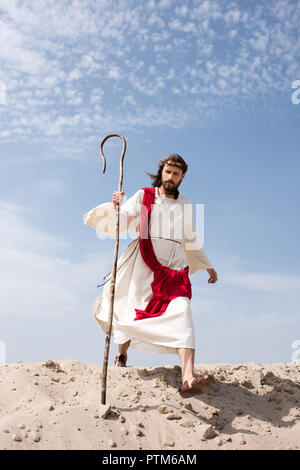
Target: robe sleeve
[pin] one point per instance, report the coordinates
(103, 217)
(195, 255)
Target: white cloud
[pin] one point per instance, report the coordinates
(206, 9)
(260, 41)
(36, 279)
(50, 187)
(165, 3)
(114, 72)
(266, 282)
(182, 10)
(75, 74)
(116, 46)
(245, 308)
(129, 99)
(16, 232)
(233, 16)
(155, 20)
(15, 52)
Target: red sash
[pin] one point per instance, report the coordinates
(168, 283)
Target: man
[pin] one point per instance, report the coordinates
(152, 296)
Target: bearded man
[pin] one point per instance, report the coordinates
(152, 310)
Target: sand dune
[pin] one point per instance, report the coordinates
(56, 405)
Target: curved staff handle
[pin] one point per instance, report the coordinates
(114, 270)
(121, 159)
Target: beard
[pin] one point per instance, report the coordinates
(170, 188)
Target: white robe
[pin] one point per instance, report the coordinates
(176, 246)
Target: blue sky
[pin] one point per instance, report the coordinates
(210, 80)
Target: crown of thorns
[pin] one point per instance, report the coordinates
(171, 163)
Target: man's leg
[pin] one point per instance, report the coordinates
(123, 348)
(121, 358)
(186, 356)
(201, 384)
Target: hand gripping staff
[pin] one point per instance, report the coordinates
(113, 274)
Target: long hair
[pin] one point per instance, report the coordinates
(172, 160)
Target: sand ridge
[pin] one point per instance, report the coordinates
(56, 405)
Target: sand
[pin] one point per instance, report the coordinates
(57, 405)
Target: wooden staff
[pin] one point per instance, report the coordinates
(114, 270)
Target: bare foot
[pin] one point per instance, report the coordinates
(197, 385)
(120, 360)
